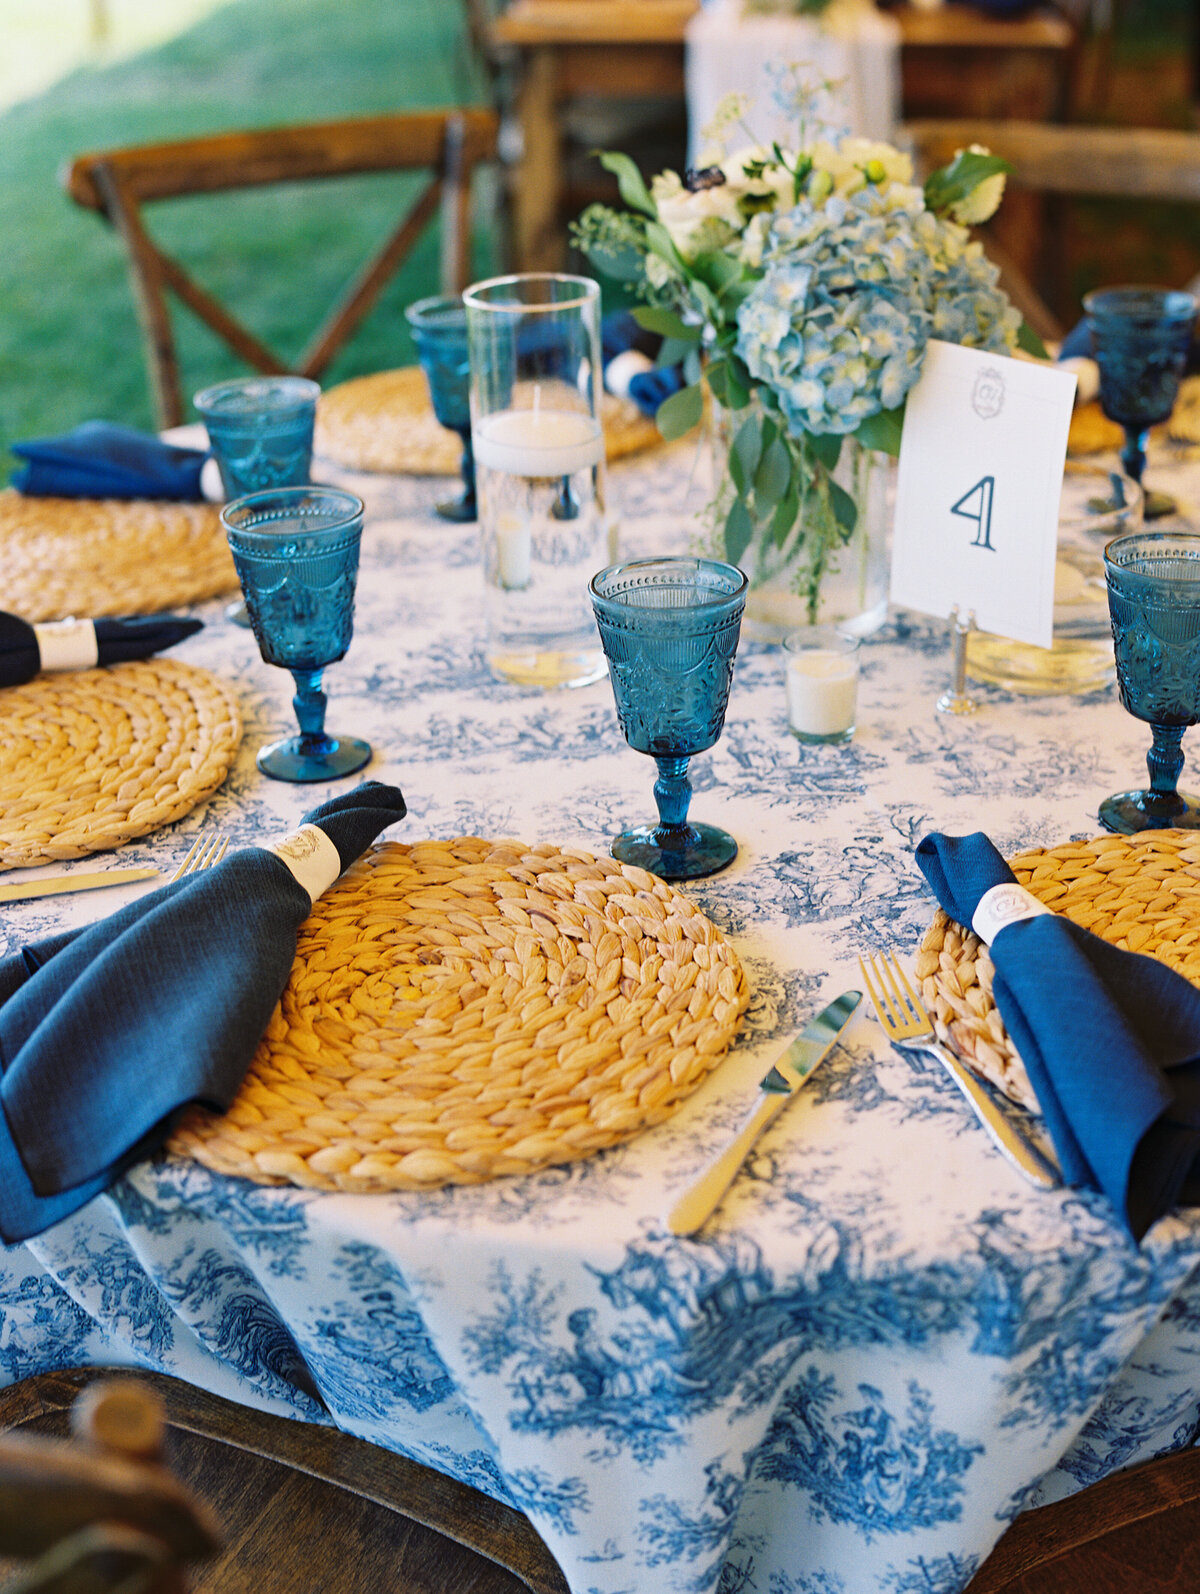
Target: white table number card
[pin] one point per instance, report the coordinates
(981, 468)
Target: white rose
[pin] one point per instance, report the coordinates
(698, 221)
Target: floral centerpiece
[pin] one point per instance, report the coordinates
(800, 287)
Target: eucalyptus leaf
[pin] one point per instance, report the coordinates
(657, 318)
(825, 447)
(674, 351)
(717, 269)
(629, 180)
(785, 514)
(882, 430)
(772, 478)
(716, 374)
(739, 530)
(845, 510)
(679, 413)
(737, 392)
(745, 453)
(660, 242)
(1029, 340)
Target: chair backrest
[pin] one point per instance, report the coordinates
(117, 183)
(1066, 161)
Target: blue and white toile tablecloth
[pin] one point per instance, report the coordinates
(884, 1345)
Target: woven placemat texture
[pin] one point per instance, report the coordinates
(94, 556)
(464, 1009)
(92, 758)
(385, 422)
(1142, 893)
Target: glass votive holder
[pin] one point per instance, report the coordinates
(821, 674)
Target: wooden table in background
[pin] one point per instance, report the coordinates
(954, 62)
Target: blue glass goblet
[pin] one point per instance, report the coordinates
(260, 429)
(670, 632)
(1154, 601)
(296, 552)
(1140, 338)
(439, 328)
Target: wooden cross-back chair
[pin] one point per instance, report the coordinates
(118, 182)
(1067, 161)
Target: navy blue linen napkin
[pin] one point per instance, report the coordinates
(117, 641)
(1110, 1039)
(100, 459)
(107, 1032)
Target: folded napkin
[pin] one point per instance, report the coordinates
(1110, 1039)
(103, 460)
(108, 1031)
(629, 352)
(81, 644)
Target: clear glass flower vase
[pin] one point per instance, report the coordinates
(815, 574)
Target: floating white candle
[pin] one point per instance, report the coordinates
(514, 550)
(538, 442)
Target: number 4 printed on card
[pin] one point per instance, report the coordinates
(976, 504)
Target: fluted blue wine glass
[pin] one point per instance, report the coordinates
(296, 552)
(439, 329)
(1140, 340)
(1154, 601)
(670, 631)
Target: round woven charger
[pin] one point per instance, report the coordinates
(1142, 893)
(385, 422)
(92, 758)
(464, 1009)
(94, 556)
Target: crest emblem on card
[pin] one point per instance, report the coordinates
(987, 397)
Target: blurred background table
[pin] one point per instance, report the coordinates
(953, 61)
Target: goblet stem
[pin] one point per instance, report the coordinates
(309, 704)
(465, 508)
(1165, 763)
(672, 793)
(1133, 451)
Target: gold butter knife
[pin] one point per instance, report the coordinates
(59, 884)
(790, 1073)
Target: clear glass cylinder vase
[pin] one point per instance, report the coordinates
(816, 572)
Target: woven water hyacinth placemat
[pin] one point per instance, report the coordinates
(464, 1009)
(1142, 893)
(95, 556)
(385, 422)
(92, 758)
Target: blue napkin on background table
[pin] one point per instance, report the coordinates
(106, 1032)
(100, 459)
(1110, 1040)
(117, 641)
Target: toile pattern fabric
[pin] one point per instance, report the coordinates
(881, 1348)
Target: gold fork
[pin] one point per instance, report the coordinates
(908, 1026)
(204, 852)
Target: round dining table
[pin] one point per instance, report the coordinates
(884, 1344)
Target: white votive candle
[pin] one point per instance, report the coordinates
(821, 673)
(538, 442)
(514, 550)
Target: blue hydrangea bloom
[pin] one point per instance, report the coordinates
(852, 290)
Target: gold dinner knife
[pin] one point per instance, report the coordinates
(793, 1069)
(59, 884)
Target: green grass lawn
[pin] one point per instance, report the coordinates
(70, 347)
